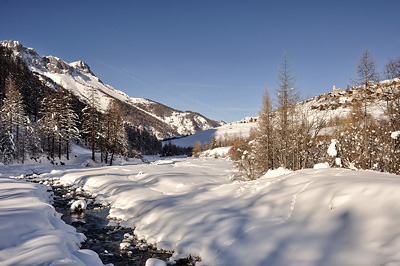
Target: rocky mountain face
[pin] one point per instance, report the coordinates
(77, 77)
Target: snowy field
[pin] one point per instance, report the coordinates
(191, 206)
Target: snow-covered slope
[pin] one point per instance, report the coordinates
(327, 106)
(80, 80)
(234, 130)
(308, 217)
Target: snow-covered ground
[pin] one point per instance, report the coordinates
(309, 217)
(321, 216)
(31, 231)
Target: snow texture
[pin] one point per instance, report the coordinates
(32, 233)
(322, 216)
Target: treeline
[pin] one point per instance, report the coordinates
(37, 120)
(294, 137)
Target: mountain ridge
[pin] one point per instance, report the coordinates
(77, 77)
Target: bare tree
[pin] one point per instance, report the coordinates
(391, 71)
(287, 97)
(367, 73)
(264, 144)
(91, 121)
(115, 131)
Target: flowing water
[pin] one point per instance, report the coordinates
(113, 243)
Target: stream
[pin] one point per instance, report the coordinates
(114, 244)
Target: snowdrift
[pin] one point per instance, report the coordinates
(32, 233)
(309, 217)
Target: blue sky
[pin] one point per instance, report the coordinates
(209, 56)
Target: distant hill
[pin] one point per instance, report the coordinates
(338, 103)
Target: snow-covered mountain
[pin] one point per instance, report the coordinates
(78, 78)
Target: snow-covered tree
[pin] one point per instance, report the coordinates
(91, 130)
(15, 125)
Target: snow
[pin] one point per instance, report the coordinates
(229, 131)
(221, 152)
(31, 232)
(332, 148)
(78, 205)
(321, 166)
(322, 216)
(155, 262)
(191, 206)
(395, 134)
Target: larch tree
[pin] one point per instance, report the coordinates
(49, 124)
(264, 146)
(287, 96)
(91, 122)
(15, 124)
(391, 71)
(116, 134)
(367, 73)
(68, 120)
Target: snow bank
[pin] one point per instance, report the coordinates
(309, 217)
(31, 232)
(321, 165)
(222, 152)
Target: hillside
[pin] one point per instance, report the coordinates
(338, 103)
(78, 78)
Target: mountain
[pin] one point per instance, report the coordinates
(77, 77)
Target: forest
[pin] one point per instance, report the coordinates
(39, 120)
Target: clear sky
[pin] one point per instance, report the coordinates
(209, 56)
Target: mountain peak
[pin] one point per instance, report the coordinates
(12, 44)
(82, 66)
